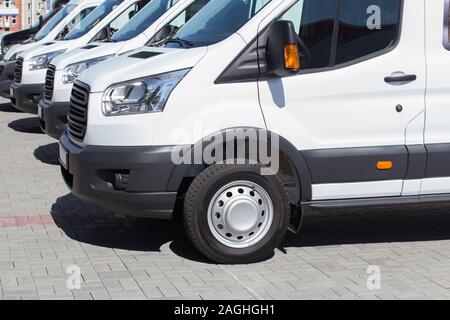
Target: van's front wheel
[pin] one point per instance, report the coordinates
(233, 214)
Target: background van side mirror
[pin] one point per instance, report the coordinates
(41, 20)
(165, 32)
(282, 51)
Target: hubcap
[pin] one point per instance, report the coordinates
(240, 214)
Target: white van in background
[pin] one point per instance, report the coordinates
(260, 110)
(31, 65)
(153, 24)
(57, 27)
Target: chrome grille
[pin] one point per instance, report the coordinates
(77, 117)
(49, 83)
(18, 71)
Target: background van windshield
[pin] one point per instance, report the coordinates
(143, 19)
(218, 20)
(92, 19)
(53, 22)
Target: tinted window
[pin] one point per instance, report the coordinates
(446, 25)
(143, 19)
(218, 20)
(366, 27)
(91, 21)
(53, 22)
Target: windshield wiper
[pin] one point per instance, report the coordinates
(181, 42)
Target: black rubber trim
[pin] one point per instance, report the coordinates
(438, 164)
(356, 164)
(54, 117)
(22, 96)
(374, 202)
(417, 162)
(91, 171)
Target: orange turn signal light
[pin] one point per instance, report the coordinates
(291, 58)
(384, 165)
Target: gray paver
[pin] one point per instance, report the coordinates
(44, 230)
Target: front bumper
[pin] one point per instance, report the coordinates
(142, 190)
(53, 117)
(26, 96)
(6, 78)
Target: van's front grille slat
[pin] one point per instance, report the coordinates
(77, 117)
(18, 71)
(49, 83)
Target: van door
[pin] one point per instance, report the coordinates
(360, 89)
(437, 128)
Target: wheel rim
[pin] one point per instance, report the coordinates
(240, 214)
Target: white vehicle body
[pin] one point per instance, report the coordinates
(38, 76)
(362, 119)
(80, 5)
(61, 91)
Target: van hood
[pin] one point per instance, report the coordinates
(19, 48)
(87, 52)
(46, 48)
(139, 63)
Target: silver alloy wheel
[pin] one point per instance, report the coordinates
(240, 214)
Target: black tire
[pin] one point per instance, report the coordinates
(196, 204)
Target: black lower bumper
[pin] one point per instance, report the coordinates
(6, 78)
(26, 97)
(53, 117)
(133, 181)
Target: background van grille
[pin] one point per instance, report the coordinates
(18, 71)
(77, 117)
(49, 83)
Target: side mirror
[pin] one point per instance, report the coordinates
(41, 20)
(165, 32)
(282, 52)
(131, 14)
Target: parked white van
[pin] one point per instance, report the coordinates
(154, 23)
(350, 98)
(56, 28)
(31, 65)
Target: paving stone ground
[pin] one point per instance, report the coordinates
(44, 231)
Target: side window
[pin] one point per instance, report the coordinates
(366, 27)
(187, 14)
(446, 25)
(334, 32)
(75, 21)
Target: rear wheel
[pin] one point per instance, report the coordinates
(233, 214)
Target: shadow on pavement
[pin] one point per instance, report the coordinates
(47, 154)
(26, 125)
(87, 224)
(98, 227)
(383, 225)
(7, 107)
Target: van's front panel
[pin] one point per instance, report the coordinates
(345, 110)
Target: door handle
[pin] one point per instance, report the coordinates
(400, 78)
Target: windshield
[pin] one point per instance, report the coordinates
(46, 17)
(53, 22)
(217, 21)
(143, 19)
(92, 19)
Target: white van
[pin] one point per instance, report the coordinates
(350, 98)
(31, 65)
(158, 20)
(58, 26)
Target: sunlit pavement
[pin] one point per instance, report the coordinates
(46, 235)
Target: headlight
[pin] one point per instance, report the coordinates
(14, 56)
(72, 71)
(42, 61)
(146, 95)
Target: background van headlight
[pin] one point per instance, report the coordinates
(145, 95)
(42, 61)
(72, 71)
(14, 56)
